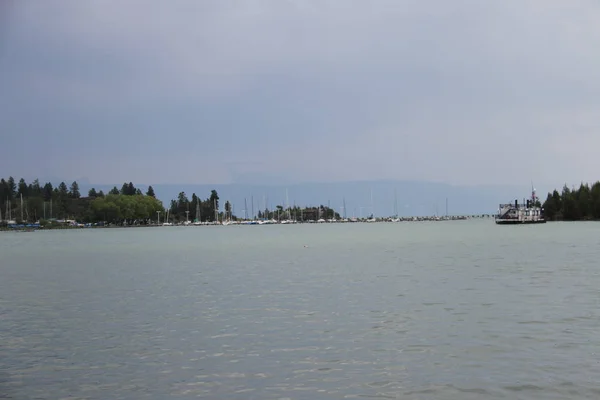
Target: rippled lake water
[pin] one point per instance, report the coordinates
(446, 310)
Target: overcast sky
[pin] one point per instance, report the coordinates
(462, 91)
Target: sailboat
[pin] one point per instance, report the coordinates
(395, 219)
(198, 215)
(9, 219)
(332, 219)
(372, 219)
(287, 206)
(320, 220)
(167, 223)
(227, 217)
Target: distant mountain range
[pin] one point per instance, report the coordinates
(413, 198)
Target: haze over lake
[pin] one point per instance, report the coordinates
(383, 198)
(446, 310)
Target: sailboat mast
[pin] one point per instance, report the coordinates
(372, 207)
(287, 203)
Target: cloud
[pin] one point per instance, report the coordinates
(461, 92)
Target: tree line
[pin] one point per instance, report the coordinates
(575, 204)
(196, 209)
(24, 202)
(299, 213)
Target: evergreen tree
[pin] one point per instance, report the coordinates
(62, 190)
(47, 191)
(150, 192)
(35, 188)
(193, 206)
(23, 189)
(173, 208)
(573, 204)
(74, 192)
(3, 191)
(128, 189)
(12, 188)
(213, 204)
(62, 196)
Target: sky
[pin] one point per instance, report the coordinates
(463, 92)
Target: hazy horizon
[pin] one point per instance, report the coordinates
(409, 198)
(414, 198)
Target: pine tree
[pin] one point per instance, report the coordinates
(35, 189)
(150, 192)
(74, 192)
(62, 190)
(47, 191)
(12, 188)
(23, 189)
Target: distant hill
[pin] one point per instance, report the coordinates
(413, 198)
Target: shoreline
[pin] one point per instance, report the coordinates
(244, 223)
(24, 228)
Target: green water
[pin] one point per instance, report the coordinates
(428, 310)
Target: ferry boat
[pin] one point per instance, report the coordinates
(525, 213)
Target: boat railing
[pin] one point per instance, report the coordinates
(512, 205)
